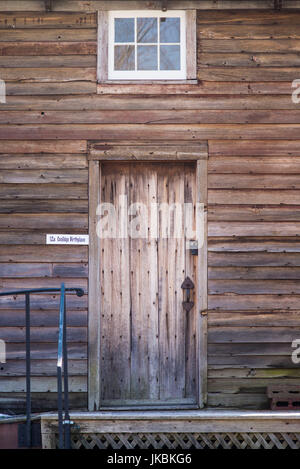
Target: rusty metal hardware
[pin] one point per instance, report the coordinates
(187, 286)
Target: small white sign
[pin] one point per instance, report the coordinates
(67, 239)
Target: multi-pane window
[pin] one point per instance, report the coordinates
(147, 45)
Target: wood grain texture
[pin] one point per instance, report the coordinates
(24, 20)
(151, 325)
(56, 113)
(34, 48)
(201, 187)
(153, 152)
(94, 297)
(102, 58)
(151, 132)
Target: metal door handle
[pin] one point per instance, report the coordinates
(187, 286)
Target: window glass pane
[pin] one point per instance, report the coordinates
(124, 29)
(170, 57)
(124, 58)
(169, 29)
(147, 30)
(147, 57)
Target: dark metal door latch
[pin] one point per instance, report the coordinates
(187, 286)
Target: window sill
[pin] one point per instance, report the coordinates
(148, 86)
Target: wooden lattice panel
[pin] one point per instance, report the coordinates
(186, 441)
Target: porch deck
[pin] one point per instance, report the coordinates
(186, 429)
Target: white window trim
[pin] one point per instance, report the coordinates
(146, 74)
(188, 74)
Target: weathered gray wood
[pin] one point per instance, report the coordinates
(94, 284)
(253, 335)
(43, 191)
(102, 59)
(45, 20)
(41, 206)
(191, 45)
(201, 223)
(43, 254)
(166, 99)
(155, 132)
(256, 259)
(153, 152)
(77, 5)
(152, 290)
(45, 351)
(50, 146)
(49, 334)
(44, 222)
(41, 384)
(181, 421)
(141, 265)
(47, 61)
(48, 48)
(264, 318)
(72, 176)
(255, 244)
(43, 161)
(42, 368)
(55, 35)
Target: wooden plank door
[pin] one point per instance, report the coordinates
(148, 342)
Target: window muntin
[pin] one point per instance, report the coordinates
(147, 45)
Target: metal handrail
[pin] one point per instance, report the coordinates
(79, 292)
(64, 423)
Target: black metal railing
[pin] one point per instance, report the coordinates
(62, 359)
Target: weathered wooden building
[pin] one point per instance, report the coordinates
(76, 131)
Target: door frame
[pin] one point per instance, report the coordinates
(149, 152)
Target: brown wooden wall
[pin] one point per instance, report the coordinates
(242, 105)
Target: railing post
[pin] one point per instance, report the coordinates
(59, 368)
(66, 384)
(59, 408)
(28, 370)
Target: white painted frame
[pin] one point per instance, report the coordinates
(146, 74)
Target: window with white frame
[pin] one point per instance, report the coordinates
(147, 45)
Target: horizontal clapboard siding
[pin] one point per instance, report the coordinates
(253, 270)
(44, 189)
(247, 59)
(254, 207)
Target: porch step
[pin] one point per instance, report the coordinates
(201, 429)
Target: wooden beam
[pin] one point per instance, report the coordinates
(102, 58)
(94, 5)
(106, 151)
(94, 286)
(201, 227)
(191, 45)
(207, 421)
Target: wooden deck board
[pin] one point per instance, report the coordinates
(192, 422)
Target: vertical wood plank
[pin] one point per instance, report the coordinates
(171, 255)
(115, 293)
(144, 304)
(94, 282)
(190, 271)
(201, 223)
(191, 45)
(102, 57)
